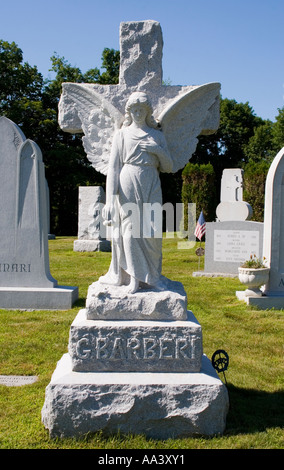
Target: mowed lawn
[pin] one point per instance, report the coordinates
(31, 343)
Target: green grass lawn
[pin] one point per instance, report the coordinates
(31, 343)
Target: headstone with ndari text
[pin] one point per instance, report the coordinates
(25, 278)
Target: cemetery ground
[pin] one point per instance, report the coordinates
(31, 343)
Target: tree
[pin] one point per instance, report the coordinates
(255, 173)
(32, 104)
(259, 146)
(21, 92)
(278, 132)
(199, 188)
(18, 80)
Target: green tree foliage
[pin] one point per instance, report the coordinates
(21, 93)
(255, 173)
(278, 132)
(259, 145)
(246, 141)
(18, 80)
(199, 188)
(227, 147)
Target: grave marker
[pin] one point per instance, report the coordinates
(273, 239)
(25, 278)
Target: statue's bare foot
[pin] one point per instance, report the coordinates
(110, 280)
(133, 285)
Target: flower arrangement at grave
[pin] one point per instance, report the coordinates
(254, 262)
(254, 273)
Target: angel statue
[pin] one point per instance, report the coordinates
(132, 149)
(139, 152)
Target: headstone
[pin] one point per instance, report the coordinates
(232, 206)
(273, 239)
(25, 278)
(135, 361)
(51, 236)
(228, 245)
(91, 230)
(233, 237)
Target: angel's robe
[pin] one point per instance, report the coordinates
(136, 251)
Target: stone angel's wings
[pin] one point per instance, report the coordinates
(190, 115)
(91, 114)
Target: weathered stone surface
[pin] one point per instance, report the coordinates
(142, 64)
(105, 302)
(159, 405)
(131, 346)
(94, 108)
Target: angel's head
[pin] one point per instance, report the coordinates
(142, 99)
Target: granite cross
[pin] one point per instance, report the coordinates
(141, 44)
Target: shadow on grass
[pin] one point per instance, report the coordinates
(80, 302)
(254, 411)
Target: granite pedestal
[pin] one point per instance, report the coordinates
(147, 375)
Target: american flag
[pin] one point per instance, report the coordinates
(200, 226)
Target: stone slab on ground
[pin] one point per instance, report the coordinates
(92, 245)
(158, 405)
(204, 274)
(264, 302)
(25, 298)
(17, 380)
(133, 346)
(105, 302)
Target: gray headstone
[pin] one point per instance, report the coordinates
(229, 244)
(91, 230)
(25, 278)
(23, 207)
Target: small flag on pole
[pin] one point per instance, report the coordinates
(200, 226)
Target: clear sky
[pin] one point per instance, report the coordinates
(238, 43)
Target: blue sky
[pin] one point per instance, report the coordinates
(237, 43)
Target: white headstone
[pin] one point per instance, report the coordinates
(232, 185)
(25, 277)
(232, 206)
(273, 238)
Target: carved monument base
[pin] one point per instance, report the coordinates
(158, 405)
(146, 375)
